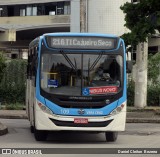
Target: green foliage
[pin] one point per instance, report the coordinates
(130, 93)
(2, 65)
(15, 106)
(153, 90)
(143, 19)
(154, 68)
(13, 83)
(154, 82)
(153, 95)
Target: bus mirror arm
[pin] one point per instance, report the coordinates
(129, 66)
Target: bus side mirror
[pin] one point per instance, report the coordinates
(129, 66)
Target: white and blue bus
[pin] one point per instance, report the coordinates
(76, 82)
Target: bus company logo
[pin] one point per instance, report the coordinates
(81, 111)
(6, 151)
(107, 101)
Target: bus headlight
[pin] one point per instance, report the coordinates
(117, 110)
(45, 108)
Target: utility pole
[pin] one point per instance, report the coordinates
(140, 99)
(83, 27)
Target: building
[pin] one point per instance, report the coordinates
(21, 21)
(104, 16)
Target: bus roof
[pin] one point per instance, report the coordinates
(69, 34)
(81, 34)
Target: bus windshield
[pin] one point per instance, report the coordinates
(81, 74)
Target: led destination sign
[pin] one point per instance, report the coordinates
(82, 42)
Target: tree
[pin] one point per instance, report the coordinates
(2, 65)
(143, 20)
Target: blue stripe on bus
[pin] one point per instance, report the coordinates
(74, 111)
(59, 110)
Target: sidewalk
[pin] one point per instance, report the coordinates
(134, 115)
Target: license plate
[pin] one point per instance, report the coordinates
(80, 120)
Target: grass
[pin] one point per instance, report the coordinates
(12, 106)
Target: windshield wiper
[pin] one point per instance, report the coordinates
(89, 60)
(69, 61)
(96, 61)
(75, 63)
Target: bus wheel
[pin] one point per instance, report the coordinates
(111, 136)
(40, 135)
(32, 129)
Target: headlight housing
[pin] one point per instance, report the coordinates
(44, 108)
(117, 110)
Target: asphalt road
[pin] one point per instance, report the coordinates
(136, 136)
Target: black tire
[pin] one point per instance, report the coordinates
(111, 136)
(32, 129)
(40, 135)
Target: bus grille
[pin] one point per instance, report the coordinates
(72, 124)
(81, 104)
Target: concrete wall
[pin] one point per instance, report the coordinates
(20, 23)
(154, 42)
(24, 22)
(75, 16)
(8, 35)
(105, 16)
(13, 2)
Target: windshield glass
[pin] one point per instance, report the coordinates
(81, 74)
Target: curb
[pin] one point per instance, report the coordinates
(13, 116)
(3, 129)
(142, 120)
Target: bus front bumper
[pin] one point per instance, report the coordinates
(44, 121)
